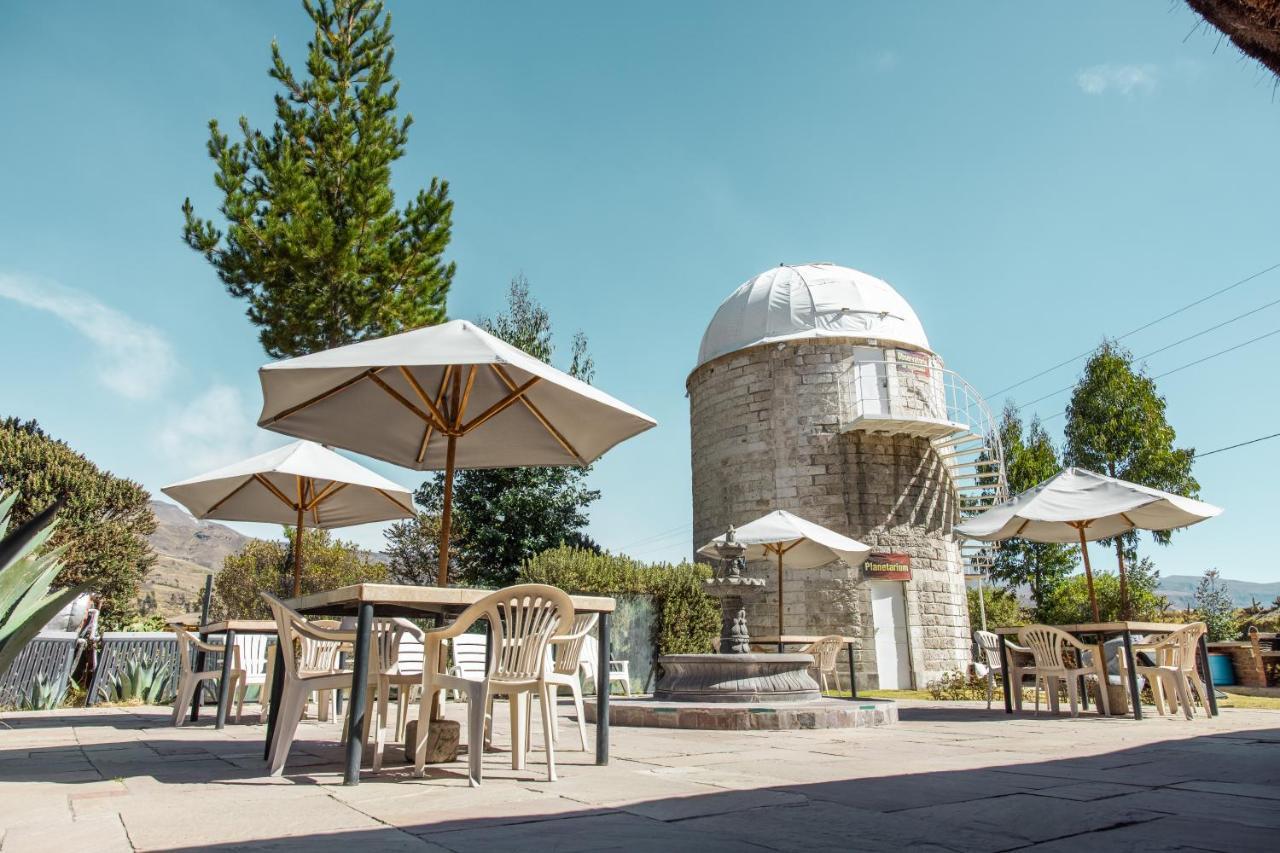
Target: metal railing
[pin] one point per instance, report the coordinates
(911, 390)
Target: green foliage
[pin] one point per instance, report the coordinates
(150, 622)
(44, 695)
(27, 570)
(314, 241)
(327, 563)
(1003, 609)
(503, 516)
(688, 619)
(1069, 603)
(1213, 606)
(413, 550)
(960, 686)
(1029, 461)
(102, 524)
(142, 680)
(1116, 426)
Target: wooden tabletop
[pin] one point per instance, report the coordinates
(1106, 628)
(796, 639)
(240, 626)
(404, 600)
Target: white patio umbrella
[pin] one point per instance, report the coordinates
(302, 484)
(797, 543)
(494, 405)
(1079, 506)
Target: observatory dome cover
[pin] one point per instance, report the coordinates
(811, 301)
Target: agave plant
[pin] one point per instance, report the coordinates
(25, 576)
(141, 679)
(45, 694)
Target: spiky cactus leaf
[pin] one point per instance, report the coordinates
(6, 504)
(16, 633)
(27, 579)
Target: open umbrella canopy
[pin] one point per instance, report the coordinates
(396, 398)
(1054, 510)
(300, 480)
(804, 545)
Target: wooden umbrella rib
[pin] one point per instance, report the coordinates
(466, 397)
(271, 487)
(499, 406)
(1022, 527)
(1127, 519)
(393, 500)
(423, 395)
(541, 418)
(404, 401)
(327, 492)
(292, 410)
(228, 496)
(427, 431)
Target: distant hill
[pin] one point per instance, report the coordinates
(187, 552)
(1181, 590)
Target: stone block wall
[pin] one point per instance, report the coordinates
(765, 435)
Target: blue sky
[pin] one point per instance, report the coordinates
(1030, 178)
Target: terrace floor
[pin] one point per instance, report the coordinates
(949, 776)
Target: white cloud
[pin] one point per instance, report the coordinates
(1125, 79)
(132, 358)
(213, 429)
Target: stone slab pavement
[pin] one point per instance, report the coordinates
(949, 777)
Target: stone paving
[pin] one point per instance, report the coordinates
(950, 776)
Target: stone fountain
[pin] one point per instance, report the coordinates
(736, 674)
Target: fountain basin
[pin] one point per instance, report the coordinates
(743, 678)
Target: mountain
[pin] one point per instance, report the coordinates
(1181, 590)
(187, 552)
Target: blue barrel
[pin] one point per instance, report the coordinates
(1221, 670)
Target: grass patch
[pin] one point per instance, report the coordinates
(880, 694)
(1261, 703)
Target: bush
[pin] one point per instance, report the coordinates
(953, 686)
(688, 619)
(268, 565)
(1003, 609)
(1213, 606)
(1068, 604)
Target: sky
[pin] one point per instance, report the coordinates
(1031, 178)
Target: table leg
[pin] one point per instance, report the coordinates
(277, 690)
(224, 684)
(337, 694)
(1004, 677)
(1131, 665)
(359, 694)
(1211, 699)
(853, 676)
(199, 667)
(602, 690)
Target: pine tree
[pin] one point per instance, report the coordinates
(1030, 460)
(313, 240)
(1116, 426)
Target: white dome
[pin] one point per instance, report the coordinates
(811, 301)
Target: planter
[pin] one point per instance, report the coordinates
(1221, 669)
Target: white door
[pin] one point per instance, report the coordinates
(889, 616)
(871, 383)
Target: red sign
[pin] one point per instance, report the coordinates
(887, 567)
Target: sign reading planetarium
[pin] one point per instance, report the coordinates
(887, 567)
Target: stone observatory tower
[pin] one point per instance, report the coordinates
(816, 391)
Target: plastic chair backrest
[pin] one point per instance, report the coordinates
(410, 659)
(469, 655)
(523, 619)
(253, 653)
(1047, 645)
(569, 655)
(1178, 648)
(184, 648)
(824, 652)
(989, 644)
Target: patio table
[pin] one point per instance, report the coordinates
(1102, 630)
(367, 600)
(801, 640)
(229, 629)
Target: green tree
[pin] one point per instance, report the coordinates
(268, 565)
(1214, 606)
(1068, 603)
(103, 523)
(413, 550)
(503, 516)
(1116, 426)
(1030, 460)
(313, 239)
(1003, 609)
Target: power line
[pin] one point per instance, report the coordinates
(1241, 444)
(1141, 328)
(680, 528)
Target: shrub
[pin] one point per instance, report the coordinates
(142, 680)
(688, 619)
(953, 686)
(1068, 604)
(1003, 609)
(1213, 606)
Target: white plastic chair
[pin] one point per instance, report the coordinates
(255, 650)
(989, 646)
(619, 670)
(190, 679)
(523, 620)
(309, 652)
(1050, 647)
(565, 668)
(1174, 669)
(826, 653)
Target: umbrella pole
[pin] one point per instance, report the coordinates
(446, 514)
(1124, 586)
(1088, 571)
(779, 599)
(297, 553)
(982, 603)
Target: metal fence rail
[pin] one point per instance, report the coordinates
(50, 656)
(119, 647)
